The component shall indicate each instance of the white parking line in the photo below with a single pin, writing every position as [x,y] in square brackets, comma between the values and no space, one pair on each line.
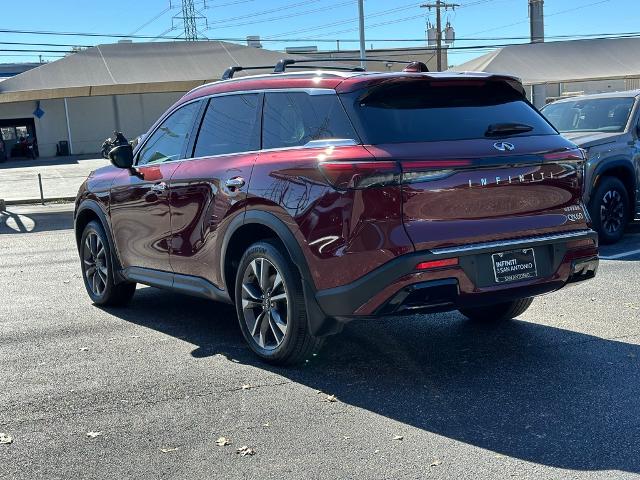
[620,255]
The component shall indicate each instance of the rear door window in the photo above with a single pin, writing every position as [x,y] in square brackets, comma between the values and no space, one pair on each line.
[293,119]
[230,125]
[430,111]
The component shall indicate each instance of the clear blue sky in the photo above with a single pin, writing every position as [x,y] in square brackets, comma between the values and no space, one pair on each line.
[308,20]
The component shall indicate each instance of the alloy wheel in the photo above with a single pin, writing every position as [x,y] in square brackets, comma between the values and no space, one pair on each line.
[612,211]
[265,303]
[94,256]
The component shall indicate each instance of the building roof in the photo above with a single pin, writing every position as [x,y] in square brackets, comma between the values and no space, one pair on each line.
[123,68]
[11,69]
[567,61]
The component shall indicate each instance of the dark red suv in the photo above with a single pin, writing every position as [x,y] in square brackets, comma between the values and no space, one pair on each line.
[313,198]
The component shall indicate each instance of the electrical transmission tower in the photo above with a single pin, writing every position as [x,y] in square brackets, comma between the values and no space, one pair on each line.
[190,18]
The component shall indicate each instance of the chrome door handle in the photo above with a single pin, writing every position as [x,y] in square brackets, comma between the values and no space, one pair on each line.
[235,182]
[159,187]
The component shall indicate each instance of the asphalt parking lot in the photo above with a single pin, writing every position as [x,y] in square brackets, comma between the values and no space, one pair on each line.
[554,394]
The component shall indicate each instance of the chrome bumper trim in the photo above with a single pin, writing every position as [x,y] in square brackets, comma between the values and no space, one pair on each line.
[515,243]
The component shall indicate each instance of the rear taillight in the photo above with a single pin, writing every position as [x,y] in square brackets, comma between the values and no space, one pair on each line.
[414,171]
[574,158]
[347,175]
[432,264]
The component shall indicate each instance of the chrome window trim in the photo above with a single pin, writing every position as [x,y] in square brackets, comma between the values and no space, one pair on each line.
[477,247]
[329,144]
[167,114]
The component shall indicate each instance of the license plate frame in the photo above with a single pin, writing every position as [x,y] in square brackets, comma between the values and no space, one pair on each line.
[520,265]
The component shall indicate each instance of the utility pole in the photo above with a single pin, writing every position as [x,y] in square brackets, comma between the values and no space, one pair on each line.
[438,5]
[536,19]
[363,53]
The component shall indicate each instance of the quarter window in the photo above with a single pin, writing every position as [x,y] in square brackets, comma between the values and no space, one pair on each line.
[294,119]
[169,140]
[229,126]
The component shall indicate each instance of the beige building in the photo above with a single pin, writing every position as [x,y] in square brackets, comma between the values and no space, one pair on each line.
[82,98]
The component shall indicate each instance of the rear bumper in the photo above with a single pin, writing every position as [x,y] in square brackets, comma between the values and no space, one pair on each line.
[397,287]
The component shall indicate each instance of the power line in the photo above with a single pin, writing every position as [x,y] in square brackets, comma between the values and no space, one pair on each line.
[264,12]
[346,21]
[149,22]
[585,36]
[289,15]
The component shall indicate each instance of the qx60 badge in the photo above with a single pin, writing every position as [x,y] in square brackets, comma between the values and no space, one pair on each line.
[504,146]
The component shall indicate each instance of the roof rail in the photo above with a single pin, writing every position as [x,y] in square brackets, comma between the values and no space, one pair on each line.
[283,64]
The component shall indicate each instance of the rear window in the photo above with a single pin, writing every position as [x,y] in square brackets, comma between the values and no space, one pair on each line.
[425,111]
[295,119]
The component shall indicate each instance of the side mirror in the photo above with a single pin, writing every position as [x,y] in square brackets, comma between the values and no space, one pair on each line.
[122,156]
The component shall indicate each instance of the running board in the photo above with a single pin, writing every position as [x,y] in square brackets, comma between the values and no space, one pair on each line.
[187,284]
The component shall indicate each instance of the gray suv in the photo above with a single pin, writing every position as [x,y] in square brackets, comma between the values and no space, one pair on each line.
[607,126]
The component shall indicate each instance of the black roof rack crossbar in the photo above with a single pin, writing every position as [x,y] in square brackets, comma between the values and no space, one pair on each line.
[329,67]
[230,72]
[283,64]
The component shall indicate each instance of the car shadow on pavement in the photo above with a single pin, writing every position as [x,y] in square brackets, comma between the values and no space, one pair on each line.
[532,392]
[13,223]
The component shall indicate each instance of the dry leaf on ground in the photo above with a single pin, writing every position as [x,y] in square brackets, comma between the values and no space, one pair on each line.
[246,386]
[223,441]
[330,398]
[93,434]
[398,437]
[5,439]
[168,449]
[83,349]
[435,463]
[244,451]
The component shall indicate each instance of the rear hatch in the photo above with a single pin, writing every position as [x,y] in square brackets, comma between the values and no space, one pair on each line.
[478,163]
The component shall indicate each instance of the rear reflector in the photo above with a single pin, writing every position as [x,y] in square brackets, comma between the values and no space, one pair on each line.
[345,175]
[447,262]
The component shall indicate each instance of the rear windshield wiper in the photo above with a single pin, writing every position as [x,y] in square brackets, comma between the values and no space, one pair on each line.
[501,129]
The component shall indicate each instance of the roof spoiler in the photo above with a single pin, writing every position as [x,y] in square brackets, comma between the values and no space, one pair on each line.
[283,64]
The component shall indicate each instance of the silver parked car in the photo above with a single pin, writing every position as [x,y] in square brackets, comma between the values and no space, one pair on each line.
[607,126]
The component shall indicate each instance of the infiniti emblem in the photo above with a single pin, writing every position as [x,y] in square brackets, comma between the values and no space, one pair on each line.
[504,146]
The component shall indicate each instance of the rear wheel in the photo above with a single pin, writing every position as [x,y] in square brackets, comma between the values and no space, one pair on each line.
[610,209]
[270,306]
[498,312]
[97,269]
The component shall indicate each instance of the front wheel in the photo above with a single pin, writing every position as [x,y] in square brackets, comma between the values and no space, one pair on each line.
[97,269]
[270,306]
[498,312]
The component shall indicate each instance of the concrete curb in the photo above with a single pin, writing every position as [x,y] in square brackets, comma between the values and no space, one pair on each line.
[32,201]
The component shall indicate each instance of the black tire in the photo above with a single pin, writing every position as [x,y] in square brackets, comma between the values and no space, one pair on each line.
[97,269]
[609,209]
[498,312]
[260,310]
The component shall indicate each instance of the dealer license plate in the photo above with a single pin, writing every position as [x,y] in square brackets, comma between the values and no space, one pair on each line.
[514,265]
